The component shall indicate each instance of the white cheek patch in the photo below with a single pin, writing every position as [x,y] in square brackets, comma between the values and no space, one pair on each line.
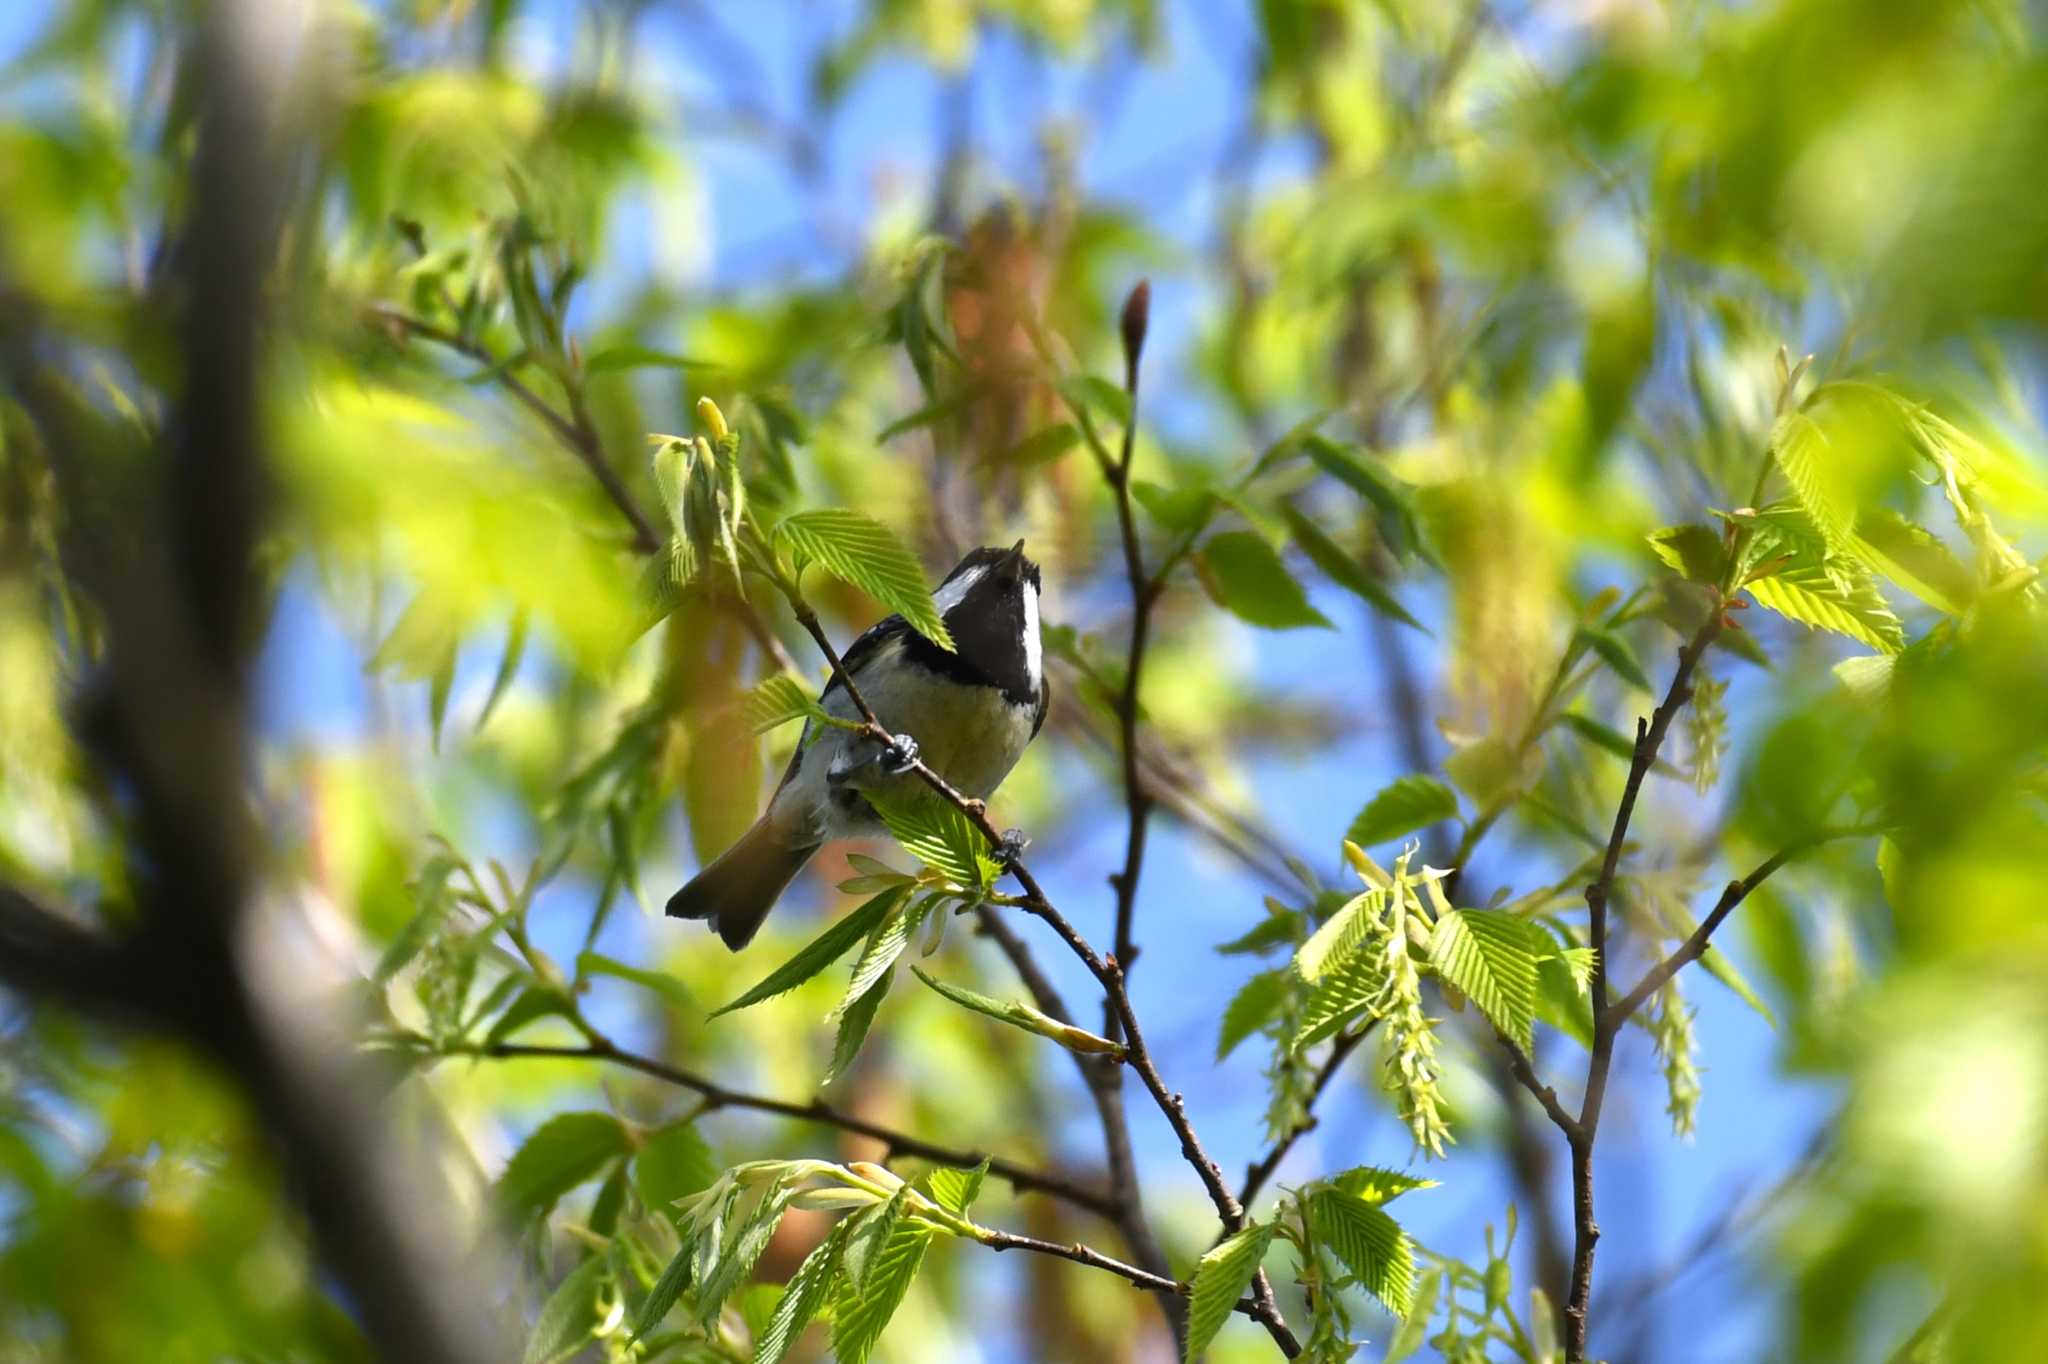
[1032,660]
[955,592]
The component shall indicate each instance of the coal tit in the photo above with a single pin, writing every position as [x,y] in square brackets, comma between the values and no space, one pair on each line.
[968,714]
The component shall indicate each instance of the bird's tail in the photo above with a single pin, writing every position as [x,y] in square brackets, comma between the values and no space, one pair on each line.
[738,889]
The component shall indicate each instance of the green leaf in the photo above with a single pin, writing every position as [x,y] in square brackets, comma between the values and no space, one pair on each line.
[1844,603]
[1353,985]
[1866,676]
[1599,735]
[675,1277]
[727,1265]
[1278,929]
[660,982]
[568,1317]
[1415,1324]
[1042,447]
[1492,957]
[1343,568]
[1696,552]
[924,416]
[1375,1184]
[562,1152]
[825,949]
[941,836]
[869,1296]
[1486,770]
[1021,1015]
[1370,1243]
[1091,392]
[808,1288]
[1403,806]
[1720,968]
[508,665]
[955,1190]
[1246,578]
[1562,1000]
[1616,654]
[672,1163]
[1339,935]
[615,358]
[1806,457]
[534,1003]
[1179,510]
[778,700]
[1370,481]
[860,550]
[855,1018]
[1251,1008]
[884,945]
[1220,1280]
[1915,559]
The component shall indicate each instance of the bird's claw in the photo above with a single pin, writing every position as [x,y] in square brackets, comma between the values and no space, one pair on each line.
[899,756]
[1012,848]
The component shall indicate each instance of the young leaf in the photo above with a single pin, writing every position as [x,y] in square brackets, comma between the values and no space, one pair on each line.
[943,838]
[1246,578]
[1492,957]
[675,1277]
[1848,604]
[613,358]
[955,1190]
[1915,559]
[806,1293]
[1354,984]
[508,665]
[1087,391]
[562,1152]
[777,701]
[1696,552]
[660,982]
[1403,806]
[1720,968]
[855,1019]
[1042,447]
[1020,1015]
[1806,457]
[1251,1008]
[1376,1185]
[825,949]
[672,1163]
[1179,510]
[1616,654]
[1370,1243]
[1561,995]
[1415,1324]
[568,1317]
[1277,929]
[877,1281]
[1220,1280]
[1340,935]
[885,944]
[860,550]
[1370,481]
[733,1258]
[1343,568]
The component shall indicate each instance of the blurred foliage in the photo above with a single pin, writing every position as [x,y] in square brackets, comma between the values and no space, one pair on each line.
[1532,337]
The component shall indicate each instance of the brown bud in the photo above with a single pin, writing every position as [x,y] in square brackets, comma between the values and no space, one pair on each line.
[1137,317]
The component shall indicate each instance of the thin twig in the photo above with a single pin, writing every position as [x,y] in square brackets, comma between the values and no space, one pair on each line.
[715,1095]
[1085,1255]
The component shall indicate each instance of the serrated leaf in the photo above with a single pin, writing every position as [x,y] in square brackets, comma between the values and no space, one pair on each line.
[942,837]
[1343,568]
[855,1018]
[568,1317]
[1251,1008]
[1246,578]
[1492,957]
[675,1277]
[1867,676]
[562,1152]
[672,1163]
[807,1291]
[1409,803]
[1375,1185]
[722,1272]
[429,892]
[1339,935]
[874,1288]
[823,950]
[1805,455]
[1369,1242]
[955,1190]
[1351,986]
[1697,553]
[1615,653]
[1847,604]
[1220,1280]
[884,945]
[1562,1000]
[1915,559]
[1408,1338]
[1021,1015]
[860,550]
[778,700]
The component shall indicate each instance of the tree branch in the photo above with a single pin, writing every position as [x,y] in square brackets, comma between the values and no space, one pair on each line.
[715,1095]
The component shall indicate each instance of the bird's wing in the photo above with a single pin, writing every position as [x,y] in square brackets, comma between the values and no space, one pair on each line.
[864,648]
[1044,703]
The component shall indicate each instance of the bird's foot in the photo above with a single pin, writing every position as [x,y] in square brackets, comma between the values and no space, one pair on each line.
[899,756]
[1013,845]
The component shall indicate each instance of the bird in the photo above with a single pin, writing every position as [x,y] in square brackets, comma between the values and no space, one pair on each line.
[969,712]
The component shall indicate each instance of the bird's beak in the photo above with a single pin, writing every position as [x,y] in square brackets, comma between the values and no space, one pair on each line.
[1014,560]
